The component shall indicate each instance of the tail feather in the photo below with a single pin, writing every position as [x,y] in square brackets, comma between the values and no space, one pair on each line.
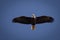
[33,27]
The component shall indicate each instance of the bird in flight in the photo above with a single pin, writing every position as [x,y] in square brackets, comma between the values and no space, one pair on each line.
[33,20]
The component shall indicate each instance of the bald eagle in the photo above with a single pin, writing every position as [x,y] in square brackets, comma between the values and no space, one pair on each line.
[33,20]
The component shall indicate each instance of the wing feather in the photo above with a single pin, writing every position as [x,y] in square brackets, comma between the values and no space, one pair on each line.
[23,20]
[43,19]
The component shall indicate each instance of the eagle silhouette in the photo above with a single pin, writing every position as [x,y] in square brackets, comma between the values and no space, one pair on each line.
[33,20]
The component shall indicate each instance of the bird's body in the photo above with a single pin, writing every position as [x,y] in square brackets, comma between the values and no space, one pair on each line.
[33,20]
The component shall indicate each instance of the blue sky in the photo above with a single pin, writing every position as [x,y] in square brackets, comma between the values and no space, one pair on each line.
[10,9]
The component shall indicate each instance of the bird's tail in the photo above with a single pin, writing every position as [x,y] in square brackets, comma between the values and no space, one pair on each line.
[33,27]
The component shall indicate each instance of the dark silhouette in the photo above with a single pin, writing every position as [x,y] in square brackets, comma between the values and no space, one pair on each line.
[33,20]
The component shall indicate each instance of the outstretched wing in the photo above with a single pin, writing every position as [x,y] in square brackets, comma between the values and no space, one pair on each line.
[23,20]
[43,19]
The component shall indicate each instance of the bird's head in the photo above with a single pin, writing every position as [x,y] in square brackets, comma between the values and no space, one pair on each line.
[33,16]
